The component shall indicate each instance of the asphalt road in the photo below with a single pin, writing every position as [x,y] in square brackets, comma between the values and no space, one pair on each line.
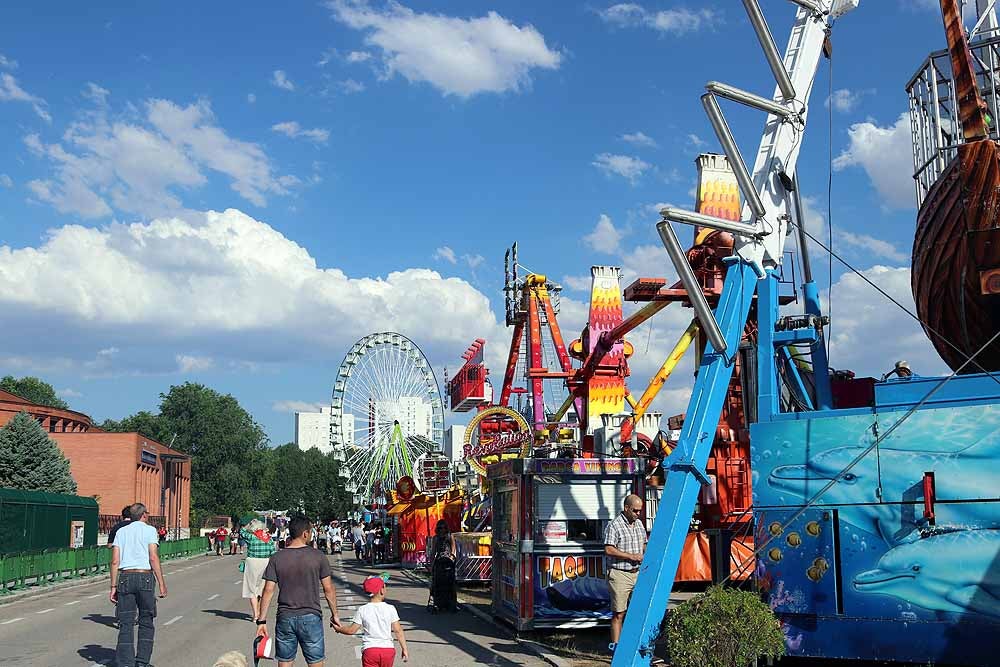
[204,616]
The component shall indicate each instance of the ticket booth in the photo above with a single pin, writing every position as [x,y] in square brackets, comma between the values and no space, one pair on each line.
[549,517]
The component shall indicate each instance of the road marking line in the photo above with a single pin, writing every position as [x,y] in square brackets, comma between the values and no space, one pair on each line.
[13,620]
[238,581]
[173,620]
[214,596]
[357,652]
[69,604]
[91,597]
[45,611]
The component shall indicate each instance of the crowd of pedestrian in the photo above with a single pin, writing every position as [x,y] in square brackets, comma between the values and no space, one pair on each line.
[284,560]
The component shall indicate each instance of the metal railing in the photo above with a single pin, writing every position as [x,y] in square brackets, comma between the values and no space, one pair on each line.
[934,124]
[43,568]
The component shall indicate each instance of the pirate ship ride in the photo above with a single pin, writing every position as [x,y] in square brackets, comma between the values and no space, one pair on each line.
[956,250]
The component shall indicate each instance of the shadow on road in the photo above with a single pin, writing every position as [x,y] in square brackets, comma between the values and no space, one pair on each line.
[109,621]
[231,615]
[456,630]
[95,654]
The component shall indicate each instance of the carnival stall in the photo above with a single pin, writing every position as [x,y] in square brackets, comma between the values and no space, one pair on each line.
[549,517]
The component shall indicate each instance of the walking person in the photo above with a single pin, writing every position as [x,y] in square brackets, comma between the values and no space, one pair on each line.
[358,539]
[380,621]
[442,553]
[135,567]
[298,573]
[624,546]
[125,520]
[260,548]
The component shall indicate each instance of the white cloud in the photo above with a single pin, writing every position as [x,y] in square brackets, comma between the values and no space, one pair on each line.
[606,237]
[224,284]
[695,141]
[646,261]
[192,364]
[844,100]
[6,181]
[350,86]
[251,98]
[96,94]
[640,139]
[7,63]
[462,57]
[861,315]
[68,393]
[577,283]
[358,57]
[294,130]
[10,91]
[885,155]
[625,166]
[445,253]
[298,406]
[877,247]
[280,80]
[138,165]
[672,21]
[473,260]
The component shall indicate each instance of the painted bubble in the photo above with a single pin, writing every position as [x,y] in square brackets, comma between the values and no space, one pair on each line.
[813,528]
[822,564]
[774,554]
[814,573]
[793,540]
[774,528]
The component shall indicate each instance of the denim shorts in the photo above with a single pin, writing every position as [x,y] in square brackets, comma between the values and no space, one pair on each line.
[305,630]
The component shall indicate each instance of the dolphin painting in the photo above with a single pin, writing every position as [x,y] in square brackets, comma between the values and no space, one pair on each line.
[951,572]
[969,473]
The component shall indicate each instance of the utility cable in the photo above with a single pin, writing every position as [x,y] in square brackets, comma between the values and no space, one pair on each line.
[906,310]
[829,199]
[868,450]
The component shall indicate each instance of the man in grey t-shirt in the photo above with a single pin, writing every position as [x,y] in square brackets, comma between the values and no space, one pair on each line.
[298,571]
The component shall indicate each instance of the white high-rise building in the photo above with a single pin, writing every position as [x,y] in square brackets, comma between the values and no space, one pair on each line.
[454,441]
[312,429]
[414,415]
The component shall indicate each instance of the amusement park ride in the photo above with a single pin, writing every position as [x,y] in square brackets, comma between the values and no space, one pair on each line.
[876,528]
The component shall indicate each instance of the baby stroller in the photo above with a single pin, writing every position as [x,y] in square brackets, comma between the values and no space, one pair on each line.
[442,595]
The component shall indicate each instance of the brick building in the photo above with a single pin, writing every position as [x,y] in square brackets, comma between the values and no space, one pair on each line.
[116,468]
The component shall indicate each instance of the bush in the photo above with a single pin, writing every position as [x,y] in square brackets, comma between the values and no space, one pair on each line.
[723,627]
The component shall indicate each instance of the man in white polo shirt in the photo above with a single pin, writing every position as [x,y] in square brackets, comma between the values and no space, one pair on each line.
[135,562]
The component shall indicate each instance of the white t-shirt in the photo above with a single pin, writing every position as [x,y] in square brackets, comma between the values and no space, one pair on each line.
[133,542]
[376,618]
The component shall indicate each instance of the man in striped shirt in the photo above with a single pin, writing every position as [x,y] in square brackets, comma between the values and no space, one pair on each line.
[624,545]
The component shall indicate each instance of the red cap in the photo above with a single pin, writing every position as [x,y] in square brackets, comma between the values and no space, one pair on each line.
[373,585]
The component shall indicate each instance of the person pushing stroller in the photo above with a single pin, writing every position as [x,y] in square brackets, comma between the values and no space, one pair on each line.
[441,555]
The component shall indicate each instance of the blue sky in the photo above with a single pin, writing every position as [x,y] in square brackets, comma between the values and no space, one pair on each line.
[191,192]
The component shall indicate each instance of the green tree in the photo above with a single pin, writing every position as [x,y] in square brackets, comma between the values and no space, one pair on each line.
[146,423]
[723,627]
[306,481]
[224,443]
[33,389]
[31,460]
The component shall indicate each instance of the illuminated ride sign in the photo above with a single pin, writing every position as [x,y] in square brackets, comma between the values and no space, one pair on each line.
[495,434]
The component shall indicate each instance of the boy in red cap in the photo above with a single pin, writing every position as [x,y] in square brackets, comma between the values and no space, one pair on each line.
[380,621]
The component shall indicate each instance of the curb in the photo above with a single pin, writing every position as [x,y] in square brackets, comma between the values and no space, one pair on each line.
[80,582]
[542,652]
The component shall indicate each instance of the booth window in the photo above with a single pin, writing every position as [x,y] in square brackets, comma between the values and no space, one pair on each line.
[584,530]
[504,526]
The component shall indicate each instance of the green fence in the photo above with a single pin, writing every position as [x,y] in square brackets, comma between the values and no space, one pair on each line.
[42,568]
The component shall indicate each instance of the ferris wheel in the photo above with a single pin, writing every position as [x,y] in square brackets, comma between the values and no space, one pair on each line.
[386,411]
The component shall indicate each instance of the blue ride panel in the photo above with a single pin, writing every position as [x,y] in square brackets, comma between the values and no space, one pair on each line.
[867,577]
